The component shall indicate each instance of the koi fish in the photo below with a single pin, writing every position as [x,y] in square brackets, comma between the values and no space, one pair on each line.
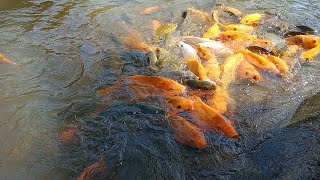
[233,35]
[137,87]
[239,27]
[229,68]
[158,82]
[164,31]
[6,60]
[196,68]
[281,64]
[252,19]
[187,133]
[259,61]
[180,103]
[290,51]
[204,52]
[206,117]
[133,43]
[201,14]
[150,9]
[234,11]
[155,24]
[311,53]
[261,43]
[245,70]
[305,41]
[219,100]
[212,32]
[94,170]
[187,51]
[192,40]
[71,135]
[216,48]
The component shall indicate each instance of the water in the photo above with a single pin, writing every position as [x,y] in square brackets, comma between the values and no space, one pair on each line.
[67,49]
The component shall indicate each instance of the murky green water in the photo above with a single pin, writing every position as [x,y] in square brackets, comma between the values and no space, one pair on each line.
[67,49]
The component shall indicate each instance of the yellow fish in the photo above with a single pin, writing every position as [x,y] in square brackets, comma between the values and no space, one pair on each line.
[252,19]
[212,32]
[240,27]
[308,55]
[281,64]
[305,41]
[229,67]
[196,68]
[259,61]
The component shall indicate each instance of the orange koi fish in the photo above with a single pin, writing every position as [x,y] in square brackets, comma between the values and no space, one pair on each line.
[196,68]
[150,9]
[232,35]
[219,100]
[133,43]
[305,41]
[259,61]
[206,117]
[187,133]
[158,82]
[6,60]
[71,135]
[212,68]
[94,170]
[180,103]
[245,70]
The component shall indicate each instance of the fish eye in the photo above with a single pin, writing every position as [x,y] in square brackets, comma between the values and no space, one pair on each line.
[247,73]
[229,36]
[235,29]
[179,107]
[314,41]
[171,89]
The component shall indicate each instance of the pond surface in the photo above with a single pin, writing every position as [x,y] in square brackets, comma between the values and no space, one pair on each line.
[67,49]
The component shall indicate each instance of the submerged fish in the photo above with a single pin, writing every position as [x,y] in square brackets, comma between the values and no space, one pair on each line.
[3,58]
[137,44]
[91,172]
[150,9]
[187,133]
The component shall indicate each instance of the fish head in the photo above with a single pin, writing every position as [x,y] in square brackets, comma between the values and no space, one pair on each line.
[186,50]
[180,103]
